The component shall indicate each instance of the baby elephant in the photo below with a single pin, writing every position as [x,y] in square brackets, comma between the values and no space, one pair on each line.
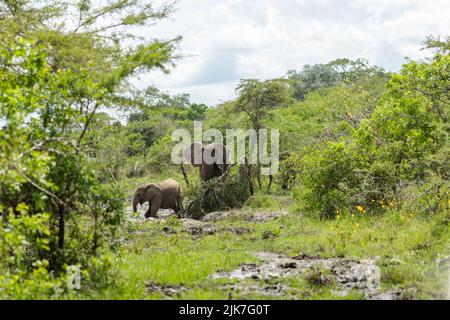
[164,195]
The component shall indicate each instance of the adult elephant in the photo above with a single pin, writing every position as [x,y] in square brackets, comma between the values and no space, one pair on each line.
[163,195]
[211,159]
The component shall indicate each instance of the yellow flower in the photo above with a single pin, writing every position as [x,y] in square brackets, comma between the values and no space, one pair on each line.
[361,209]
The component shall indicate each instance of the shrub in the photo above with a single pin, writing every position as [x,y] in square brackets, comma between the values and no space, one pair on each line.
[402,146]
[328,177]
[217,195]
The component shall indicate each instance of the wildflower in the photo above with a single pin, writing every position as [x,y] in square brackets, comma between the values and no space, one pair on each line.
[361,209]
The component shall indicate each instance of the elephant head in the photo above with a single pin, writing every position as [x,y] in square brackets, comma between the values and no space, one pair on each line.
[140,197]
[212,159]
[194,154]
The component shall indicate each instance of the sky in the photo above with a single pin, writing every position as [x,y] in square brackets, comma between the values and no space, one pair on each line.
[228,40]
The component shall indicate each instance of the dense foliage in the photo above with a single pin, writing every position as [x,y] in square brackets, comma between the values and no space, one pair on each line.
[56,211]
[76,139]
[403,144]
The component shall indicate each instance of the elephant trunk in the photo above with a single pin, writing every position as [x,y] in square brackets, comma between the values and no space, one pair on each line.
[135,204]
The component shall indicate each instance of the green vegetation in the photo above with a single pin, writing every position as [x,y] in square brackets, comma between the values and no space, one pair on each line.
[364,170]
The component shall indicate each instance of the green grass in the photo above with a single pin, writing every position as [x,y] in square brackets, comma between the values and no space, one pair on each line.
[406,247]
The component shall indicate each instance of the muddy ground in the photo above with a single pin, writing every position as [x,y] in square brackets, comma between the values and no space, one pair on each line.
[342,275]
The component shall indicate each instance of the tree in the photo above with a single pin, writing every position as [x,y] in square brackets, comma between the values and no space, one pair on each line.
[352,70]
[318,76]
[438,44]
[257,99]
[58,70]
[196,111]
[311,78]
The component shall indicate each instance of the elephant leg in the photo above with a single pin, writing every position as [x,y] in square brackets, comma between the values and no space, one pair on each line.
[148,212]
[207,171]
[154,207]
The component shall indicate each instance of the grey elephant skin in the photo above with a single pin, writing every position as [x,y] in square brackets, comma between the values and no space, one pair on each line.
[196,154]
[163,195]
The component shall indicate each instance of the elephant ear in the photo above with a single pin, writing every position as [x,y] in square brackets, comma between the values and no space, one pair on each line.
[151,191]
[194,154]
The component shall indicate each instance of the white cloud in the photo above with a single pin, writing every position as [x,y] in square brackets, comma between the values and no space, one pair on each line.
[227,40]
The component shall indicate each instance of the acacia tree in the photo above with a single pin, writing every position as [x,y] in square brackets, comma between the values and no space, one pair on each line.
[257,99]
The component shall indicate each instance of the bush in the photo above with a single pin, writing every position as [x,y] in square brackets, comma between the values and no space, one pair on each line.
[327,180]
[216,195]
[402,146]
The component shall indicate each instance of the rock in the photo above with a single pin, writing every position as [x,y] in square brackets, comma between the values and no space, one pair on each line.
[304,256]
[208,229]
[360,275]
[188,223]
[390,295]
[265,216]
[318,278]
[276,290]
[168,290]
[218,216]
[198,228]
[289,265]
[252,217]
[165,213]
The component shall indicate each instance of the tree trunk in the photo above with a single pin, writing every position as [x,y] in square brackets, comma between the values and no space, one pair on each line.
[184,174]
[258,176]
[270,183]
[248,170]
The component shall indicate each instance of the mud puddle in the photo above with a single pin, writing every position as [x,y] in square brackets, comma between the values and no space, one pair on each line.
[361,276]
